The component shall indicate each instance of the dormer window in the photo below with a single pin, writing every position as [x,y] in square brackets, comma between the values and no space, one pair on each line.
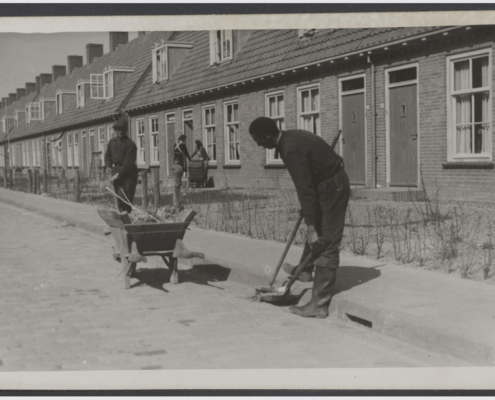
[33,112]
[47,107]
[17,117]
[104,86]
[63,100]
[221,48]
[160,63]
[160,58]
[82,89]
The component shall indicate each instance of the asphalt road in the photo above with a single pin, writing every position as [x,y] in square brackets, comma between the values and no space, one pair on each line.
[63,306]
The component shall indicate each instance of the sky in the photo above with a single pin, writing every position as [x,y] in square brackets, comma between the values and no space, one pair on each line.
[24,56]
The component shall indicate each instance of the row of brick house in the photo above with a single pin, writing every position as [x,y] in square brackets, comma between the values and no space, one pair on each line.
[414,104]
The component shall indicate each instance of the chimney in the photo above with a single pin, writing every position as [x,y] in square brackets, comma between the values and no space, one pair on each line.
[5,101]
[118,38]
[141,33]
[21,93]
[45,79]
[38,88]
[93,51]
[12,97]
[57,72]
[74,62]
[30,88]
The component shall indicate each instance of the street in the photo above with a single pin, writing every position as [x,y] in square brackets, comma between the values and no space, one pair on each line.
[63,307]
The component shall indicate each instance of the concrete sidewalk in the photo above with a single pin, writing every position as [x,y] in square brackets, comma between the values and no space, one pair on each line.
[435,311]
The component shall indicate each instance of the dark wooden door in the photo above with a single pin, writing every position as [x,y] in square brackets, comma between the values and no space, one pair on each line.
[170,127]
[353,137]
[403,123]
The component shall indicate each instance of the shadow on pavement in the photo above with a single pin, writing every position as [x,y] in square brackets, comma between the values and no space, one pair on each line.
[152,277]
[350,277]
[204,274]
[198,274]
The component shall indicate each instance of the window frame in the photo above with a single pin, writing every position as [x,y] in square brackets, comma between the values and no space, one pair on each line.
[110,133]
[151,134]
[31,107]
[76,143]
[270,153]
[97,86]
[141,150]
[162,49]
[226,131]
[101,143]
[212,161]
[217,37]
[452,156]
[301,89]
[81,103]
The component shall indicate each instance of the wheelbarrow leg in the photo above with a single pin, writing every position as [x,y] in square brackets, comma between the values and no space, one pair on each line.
[125,270]
[172,266]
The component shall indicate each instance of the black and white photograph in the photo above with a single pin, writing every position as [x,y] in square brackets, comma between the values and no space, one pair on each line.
[248,197]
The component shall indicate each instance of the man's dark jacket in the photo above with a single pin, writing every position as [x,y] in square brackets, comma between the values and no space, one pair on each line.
[310,160]
[121,157]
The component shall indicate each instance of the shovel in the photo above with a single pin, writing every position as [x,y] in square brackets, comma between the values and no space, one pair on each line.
[282,294]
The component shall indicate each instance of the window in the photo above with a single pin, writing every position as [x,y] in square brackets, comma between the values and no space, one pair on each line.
[33,112]
[16,119]
[275,109]
[69,150]
[209,137]
[56,152]
[110,133]
[97,86]
[108,84]
[80,94]
[232,133]
[141,155]
[60,109]
[309,109]
[2,156]
[187,123]
[91,141]
[220,46]
[470,106]
[155,156]
[76,149]
[101,144]
[37,142]
[160,64]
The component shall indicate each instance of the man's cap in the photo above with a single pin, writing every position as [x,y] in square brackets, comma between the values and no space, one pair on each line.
[182,137]
[121,123]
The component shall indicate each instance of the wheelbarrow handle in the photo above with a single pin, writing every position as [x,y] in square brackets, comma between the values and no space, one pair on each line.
[286,250]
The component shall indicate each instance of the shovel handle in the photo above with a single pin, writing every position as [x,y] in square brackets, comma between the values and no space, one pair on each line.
[286,250]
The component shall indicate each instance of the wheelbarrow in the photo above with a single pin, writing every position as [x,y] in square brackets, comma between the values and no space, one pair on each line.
[135,242]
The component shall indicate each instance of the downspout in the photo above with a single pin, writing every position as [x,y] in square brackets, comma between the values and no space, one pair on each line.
[373,124]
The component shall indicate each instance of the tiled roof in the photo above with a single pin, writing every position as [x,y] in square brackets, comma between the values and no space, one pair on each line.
[135,54]
[266,51]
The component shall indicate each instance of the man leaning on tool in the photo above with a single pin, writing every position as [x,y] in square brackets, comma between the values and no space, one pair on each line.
[323,190]
[120,161]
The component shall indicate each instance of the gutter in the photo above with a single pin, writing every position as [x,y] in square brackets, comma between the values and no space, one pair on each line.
[373,124]
[317,63]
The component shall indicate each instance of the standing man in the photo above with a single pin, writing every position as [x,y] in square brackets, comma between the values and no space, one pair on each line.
[181,152]
[120,162]
[323,190]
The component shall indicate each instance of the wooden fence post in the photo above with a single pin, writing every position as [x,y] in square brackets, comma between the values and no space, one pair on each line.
[45,181]
[155,173]
[77,182]
[5,177]
[29,181]
[144,190]
[36,180]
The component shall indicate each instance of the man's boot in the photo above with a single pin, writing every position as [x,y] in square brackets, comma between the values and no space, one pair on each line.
[320,297]
[305,276]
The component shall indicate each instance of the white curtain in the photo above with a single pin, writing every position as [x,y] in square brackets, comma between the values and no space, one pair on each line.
[461,75]
[463,123]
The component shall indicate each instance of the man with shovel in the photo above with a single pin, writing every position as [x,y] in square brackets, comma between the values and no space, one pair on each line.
[323,190]
[120,162]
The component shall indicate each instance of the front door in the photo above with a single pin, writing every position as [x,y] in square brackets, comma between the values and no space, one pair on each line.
[353,129]
[403,127]
[170,132]
[84,153]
